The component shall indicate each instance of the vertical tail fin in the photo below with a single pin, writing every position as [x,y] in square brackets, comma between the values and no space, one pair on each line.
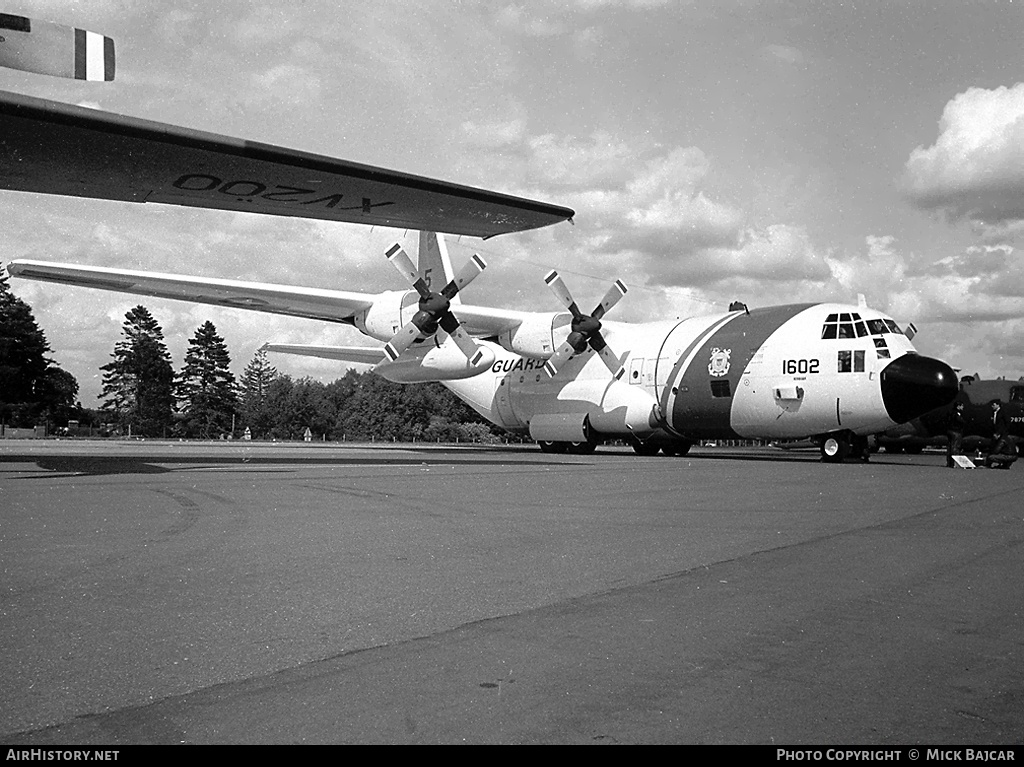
[435,266]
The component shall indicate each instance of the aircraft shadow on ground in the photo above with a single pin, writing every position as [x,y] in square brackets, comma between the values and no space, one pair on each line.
[88,465]
[80,465]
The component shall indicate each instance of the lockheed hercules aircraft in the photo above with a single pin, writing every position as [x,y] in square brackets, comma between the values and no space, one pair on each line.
[831,372]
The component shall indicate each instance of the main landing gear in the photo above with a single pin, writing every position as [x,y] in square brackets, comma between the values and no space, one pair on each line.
[640,448]
[666,448]
[837,447]
[576,448]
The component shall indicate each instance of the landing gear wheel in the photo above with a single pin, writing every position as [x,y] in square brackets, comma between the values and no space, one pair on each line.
[834,448]
[553,447]
[582,448]
[645,448]
[677,448]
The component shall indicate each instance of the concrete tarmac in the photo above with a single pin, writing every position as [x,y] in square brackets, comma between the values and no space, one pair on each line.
[245,593]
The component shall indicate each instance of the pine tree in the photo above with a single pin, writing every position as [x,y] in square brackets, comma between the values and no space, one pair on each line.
[138,383]
[206,386]
[253,407]
[31,385]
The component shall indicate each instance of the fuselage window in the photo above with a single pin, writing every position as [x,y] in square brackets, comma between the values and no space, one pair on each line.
[851,361]
[845,362]
[721,389]
[15,23]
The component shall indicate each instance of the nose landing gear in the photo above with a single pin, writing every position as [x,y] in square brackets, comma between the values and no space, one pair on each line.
[837,447]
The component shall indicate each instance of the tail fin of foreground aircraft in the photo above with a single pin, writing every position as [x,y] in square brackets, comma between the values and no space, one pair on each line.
[53,49]
[435,266]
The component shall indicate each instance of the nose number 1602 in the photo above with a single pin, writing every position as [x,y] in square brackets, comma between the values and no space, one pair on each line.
[790,367]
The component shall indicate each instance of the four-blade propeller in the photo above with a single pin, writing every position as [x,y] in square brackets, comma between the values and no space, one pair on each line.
[435,312]
[585,329]
[434,308]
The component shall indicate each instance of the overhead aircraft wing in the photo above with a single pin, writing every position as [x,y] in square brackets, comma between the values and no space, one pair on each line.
[313,303]
[53,148]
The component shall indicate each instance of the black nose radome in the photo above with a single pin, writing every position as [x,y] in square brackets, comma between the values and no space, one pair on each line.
[913,385]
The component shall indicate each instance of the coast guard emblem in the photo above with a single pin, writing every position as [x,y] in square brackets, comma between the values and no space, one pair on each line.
[719,365]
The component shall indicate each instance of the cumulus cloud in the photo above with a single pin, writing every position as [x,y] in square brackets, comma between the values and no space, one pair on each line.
[777,253]
[975,169]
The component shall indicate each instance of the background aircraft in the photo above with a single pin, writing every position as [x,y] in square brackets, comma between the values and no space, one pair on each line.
[930,429]
[831,372]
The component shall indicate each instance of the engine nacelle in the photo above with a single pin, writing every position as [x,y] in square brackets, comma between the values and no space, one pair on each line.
[560,427]
[430,362]
[538,335]
[390,311]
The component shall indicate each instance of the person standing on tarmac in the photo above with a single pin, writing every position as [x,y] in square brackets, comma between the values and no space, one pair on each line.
[954,434]
[1002,453]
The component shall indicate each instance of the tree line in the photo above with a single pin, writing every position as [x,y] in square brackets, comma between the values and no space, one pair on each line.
[142,395]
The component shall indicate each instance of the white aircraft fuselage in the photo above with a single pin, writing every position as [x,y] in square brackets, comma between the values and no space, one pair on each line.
[781,372]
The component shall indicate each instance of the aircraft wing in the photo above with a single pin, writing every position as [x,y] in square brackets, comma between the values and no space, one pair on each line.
[294,301]
[53,148]
[313,303]
[362,354]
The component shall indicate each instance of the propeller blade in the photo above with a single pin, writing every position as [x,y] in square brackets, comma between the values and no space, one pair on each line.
[53,49]
[615,292]
[610,360]
[466,275]
[554,281]
[463,340]
[562,355]
[401,261]
[402,340]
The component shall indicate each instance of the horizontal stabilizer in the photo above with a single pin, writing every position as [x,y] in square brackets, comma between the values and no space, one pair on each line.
[52,49]
[361,354]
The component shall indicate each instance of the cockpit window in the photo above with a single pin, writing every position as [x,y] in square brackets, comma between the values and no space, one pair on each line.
[878,327]
[1017,394]
[845,325]
[894,327]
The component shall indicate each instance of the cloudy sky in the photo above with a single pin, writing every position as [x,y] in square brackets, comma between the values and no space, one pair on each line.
[771,152]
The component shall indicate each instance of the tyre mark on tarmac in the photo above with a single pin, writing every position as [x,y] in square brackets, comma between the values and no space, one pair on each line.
[188,517]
